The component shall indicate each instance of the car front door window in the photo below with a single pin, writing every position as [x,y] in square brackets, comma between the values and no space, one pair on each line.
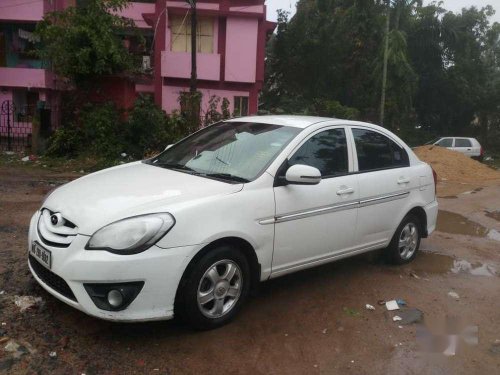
[446,142]
[326,151]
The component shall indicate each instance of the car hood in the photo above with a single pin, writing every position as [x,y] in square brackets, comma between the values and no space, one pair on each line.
[100,198]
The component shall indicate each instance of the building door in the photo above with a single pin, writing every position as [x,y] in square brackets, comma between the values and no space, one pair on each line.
[3,52]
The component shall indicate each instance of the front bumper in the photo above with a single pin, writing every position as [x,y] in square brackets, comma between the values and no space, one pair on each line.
[160,269]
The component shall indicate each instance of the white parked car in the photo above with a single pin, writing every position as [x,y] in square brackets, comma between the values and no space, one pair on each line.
[467,146]
[191,231]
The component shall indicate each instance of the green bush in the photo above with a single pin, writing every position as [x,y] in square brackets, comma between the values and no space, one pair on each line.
[146,128]
[65,142]
[332,108]
[103,131]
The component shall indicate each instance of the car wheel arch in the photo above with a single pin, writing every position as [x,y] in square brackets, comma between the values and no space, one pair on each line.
[419,212]
[236,242]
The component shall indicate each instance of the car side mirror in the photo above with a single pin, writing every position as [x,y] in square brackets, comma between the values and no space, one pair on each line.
[168,146]
[300,174]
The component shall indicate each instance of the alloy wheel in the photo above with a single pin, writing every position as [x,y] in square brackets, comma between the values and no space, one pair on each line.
[219,289]
[408,240]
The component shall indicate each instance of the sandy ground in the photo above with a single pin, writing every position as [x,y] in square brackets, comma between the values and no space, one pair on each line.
[312,322]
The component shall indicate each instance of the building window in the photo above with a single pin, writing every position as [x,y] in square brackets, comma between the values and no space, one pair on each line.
[3,50]
[180,35]
[240,106]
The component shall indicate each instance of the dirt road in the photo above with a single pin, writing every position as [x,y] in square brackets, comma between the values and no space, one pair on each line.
[312,322]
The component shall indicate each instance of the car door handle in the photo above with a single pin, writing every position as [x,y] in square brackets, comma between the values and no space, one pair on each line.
[345,191]
[403,180]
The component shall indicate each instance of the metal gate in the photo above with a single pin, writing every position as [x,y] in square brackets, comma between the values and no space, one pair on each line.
[15,126]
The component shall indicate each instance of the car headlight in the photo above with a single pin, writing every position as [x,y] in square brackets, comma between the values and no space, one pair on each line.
[131,235]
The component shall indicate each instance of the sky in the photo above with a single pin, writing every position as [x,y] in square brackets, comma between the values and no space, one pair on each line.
[453,5]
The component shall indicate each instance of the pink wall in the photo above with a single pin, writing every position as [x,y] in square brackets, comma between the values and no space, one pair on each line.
[171,97]
[18,10]
[178,65]
[248,9]
[25,77]
[134,11]
[241,49]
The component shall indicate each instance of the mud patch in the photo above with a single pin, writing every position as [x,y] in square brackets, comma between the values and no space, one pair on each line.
[493,214]
[451,222]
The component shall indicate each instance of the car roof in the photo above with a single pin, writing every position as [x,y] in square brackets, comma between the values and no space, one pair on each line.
[454,136]
[285,120]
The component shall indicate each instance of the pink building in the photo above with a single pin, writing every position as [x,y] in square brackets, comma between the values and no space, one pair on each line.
[24,80]
[231,42]
[23,77]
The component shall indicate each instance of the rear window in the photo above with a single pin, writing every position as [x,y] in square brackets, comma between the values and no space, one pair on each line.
[462,142]
[376,151]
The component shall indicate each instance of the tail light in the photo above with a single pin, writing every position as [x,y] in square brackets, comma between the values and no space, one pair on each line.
[435,176]
[481,152]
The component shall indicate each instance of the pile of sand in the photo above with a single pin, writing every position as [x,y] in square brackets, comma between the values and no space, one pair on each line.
[454,166]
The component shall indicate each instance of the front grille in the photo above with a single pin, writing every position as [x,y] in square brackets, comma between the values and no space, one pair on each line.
[51,279]
[59,235]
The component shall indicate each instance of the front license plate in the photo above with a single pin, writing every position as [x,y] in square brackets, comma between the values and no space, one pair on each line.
[41,254]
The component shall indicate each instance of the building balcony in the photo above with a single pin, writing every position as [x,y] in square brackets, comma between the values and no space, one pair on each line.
[27,78]
[26,11]
[178,65]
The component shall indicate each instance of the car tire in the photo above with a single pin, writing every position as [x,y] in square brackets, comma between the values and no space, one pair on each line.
[405,243]
[213,288]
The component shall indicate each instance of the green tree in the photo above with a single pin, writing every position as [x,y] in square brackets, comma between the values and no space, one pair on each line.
[82,43]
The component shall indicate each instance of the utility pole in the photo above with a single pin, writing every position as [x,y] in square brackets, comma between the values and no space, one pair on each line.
[194,27]
[384,70]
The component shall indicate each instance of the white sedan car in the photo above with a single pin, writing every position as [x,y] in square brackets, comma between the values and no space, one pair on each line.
[193,230]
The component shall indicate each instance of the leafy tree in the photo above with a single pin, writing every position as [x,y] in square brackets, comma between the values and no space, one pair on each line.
[83,42]
[443,68]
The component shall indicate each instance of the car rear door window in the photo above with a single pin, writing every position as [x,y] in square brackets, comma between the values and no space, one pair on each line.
[446,142]
[326,151]
[462,142]
[376,151]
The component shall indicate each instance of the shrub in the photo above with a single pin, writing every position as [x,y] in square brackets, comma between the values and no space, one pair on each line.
[102,130]
[332,108]
[65,142]
[147,128]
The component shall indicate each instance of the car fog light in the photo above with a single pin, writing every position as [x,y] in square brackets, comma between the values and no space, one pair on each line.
[115,298]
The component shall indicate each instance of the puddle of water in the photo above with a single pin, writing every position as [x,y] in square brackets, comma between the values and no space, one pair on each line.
[476,269]
[493,214]
[433,263]
[493,234]
[451,222]
[426,262]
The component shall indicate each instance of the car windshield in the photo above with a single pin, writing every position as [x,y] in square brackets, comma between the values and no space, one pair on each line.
[233,151]
[432,142]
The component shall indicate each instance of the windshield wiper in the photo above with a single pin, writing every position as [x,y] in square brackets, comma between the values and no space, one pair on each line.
[226,176]
[176,166]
